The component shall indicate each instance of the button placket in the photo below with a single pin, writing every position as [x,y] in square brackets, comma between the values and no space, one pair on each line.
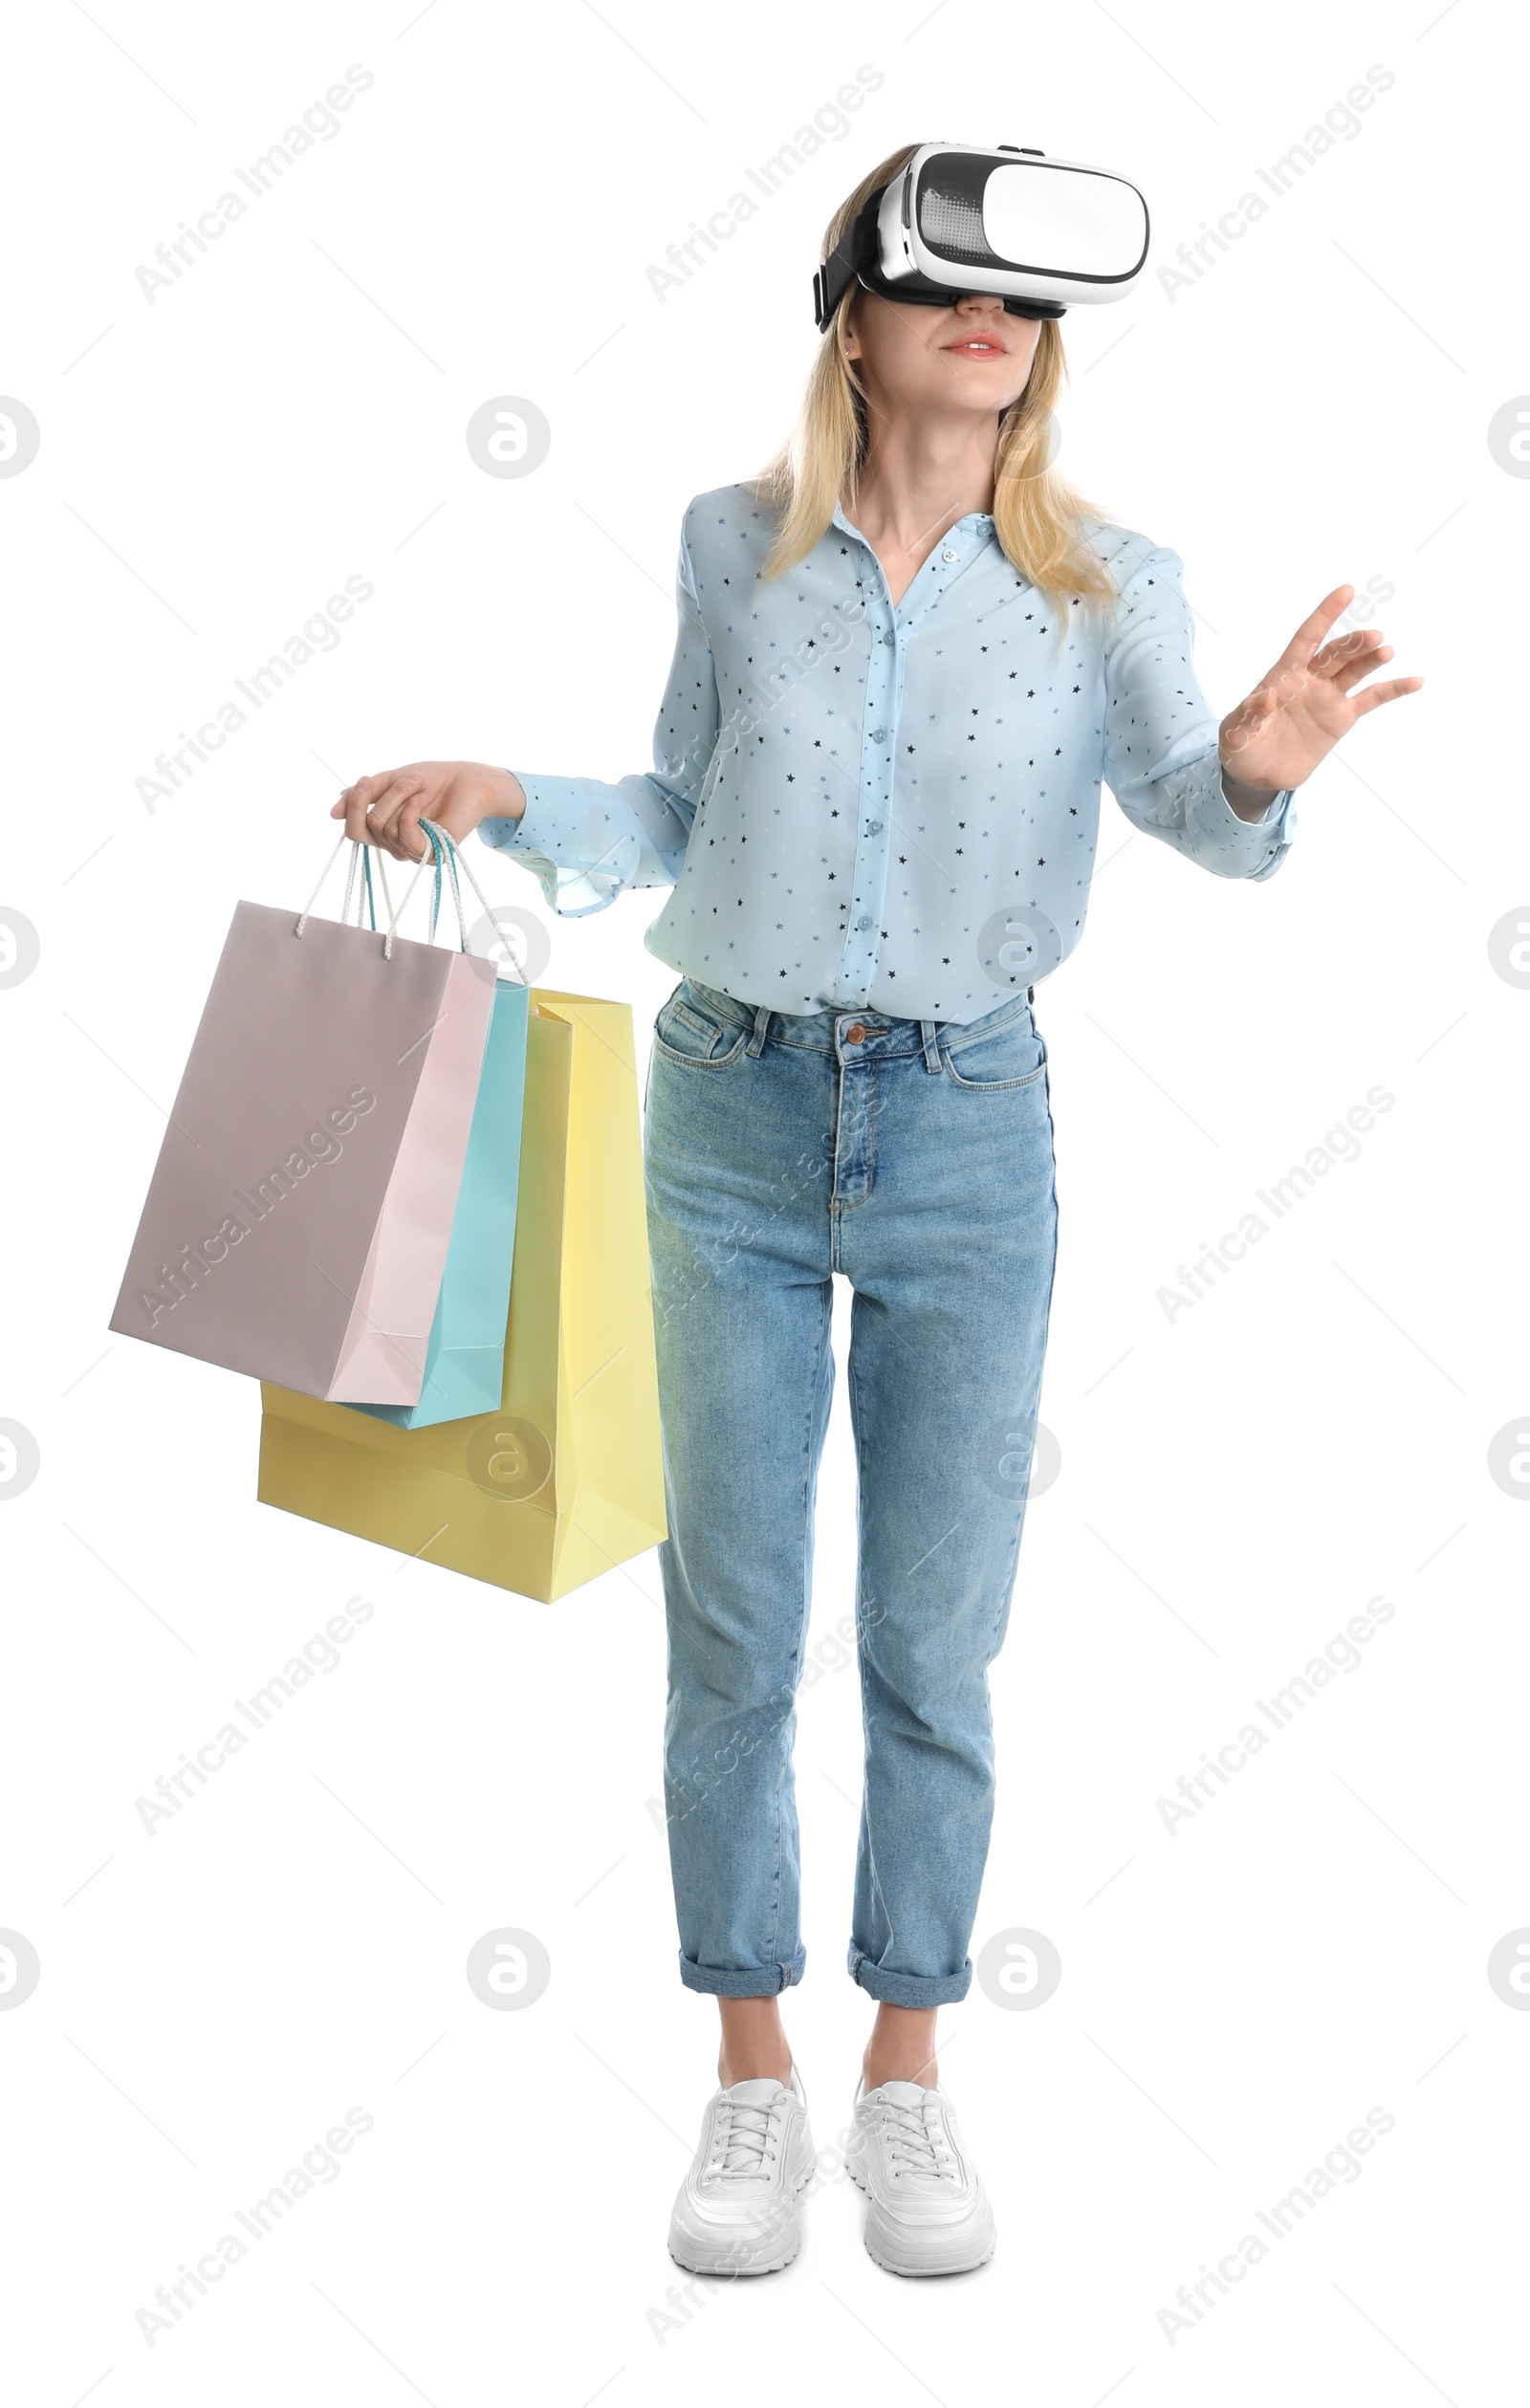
[883,705]
[869,881]
[871,846]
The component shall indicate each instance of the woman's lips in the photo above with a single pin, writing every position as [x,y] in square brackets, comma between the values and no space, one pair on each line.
[977,347]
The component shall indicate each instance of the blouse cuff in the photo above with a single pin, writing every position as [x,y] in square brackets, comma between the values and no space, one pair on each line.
[577,849]
[1237,847]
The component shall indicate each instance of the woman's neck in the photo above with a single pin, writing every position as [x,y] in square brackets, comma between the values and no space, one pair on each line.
[918,478]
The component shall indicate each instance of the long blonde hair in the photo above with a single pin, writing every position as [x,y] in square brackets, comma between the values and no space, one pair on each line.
[1038,517]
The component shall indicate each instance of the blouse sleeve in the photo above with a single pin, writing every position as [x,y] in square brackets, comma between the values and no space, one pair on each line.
[1161,740]
[585,842]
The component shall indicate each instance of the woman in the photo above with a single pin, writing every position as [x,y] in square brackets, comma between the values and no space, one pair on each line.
[907,654]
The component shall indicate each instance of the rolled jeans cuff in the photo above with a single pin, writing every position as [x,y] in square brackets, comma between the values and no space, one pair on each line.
[909,1989]
[746,1982]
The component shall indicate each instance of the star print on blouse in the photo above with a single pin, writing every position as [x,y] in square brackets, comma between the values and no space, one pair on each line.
[904,710]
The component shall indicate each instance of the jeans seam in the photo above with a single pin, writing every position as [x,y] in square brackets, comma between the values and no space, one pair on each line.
[825,1315]
[853,1382]
[1046,1322]
[775,1903]
[1007,1592]
[873,1106]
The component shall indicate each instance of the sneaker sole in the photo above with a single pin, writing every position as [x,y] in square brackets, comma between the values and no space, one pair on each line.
[889,2264]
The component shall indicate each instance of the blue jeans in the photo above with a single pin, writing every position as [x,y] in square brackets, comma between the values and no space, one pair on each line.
[915,1157]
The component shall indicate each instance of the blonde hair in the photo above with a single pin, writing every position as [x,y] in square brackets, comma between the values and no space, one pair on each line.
[1038,518]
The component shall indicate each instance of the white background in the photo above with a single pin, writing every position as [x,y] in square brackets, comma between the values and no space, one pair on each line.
[1236,1483]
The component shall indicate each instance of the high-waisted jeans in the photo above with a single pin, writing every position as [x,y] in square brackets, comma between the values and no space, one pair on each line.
[915,1157]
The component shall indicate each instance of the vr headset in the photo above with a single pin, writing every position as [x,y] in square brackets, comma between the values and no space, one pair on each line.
[1042,233]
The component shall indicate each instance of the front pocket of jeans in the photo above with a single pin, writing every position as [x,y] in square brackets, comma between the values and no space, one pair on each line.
[1021,1047]
[682,1033]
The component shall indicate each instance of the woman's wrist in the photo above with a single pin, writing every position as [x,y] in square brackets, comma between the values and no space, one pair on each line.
[1249,801]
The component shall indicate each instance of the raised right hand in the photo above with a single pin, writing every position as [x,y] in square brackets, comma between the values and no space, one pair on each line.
[385,809]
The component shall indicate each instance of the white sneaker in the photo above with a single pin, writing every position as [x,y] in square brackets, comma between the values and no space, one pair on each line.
[929,2213]
[737,2212]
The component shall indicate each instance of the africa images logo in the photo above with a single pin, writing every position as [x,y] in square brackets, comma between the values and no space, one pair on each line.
[192,1264]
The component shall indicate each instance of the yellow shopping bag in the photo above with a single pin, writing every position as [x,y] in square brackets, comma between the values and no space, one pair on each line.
[566,1479]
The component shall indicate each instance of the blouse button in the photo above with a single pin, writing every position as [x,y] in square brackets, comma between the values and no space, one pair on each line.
[948,555]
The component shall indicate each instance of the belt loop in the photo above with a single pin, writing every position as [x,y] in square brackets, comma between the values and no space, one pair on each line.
[762,1023]
[926,1030]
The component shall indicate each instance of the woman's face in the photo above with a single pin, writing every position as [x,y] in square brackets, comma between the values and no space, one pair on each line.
[912,356]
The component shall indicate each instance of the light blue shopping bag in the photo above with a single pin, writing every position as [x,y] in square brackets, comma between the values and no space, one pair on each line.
[465,1362]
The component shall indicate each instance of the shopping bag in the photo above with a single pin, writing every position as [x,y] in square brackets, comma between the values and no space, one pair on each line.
[565,1480]
[297,1221]
[465,1361]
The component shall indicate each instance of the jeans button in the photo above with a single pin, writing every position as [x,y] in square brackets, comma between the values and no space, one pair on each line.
[854,1034]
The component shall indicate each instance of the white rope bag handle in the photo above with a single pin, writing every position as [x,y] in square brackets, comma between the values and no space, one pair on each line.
[453,860]
[357,851]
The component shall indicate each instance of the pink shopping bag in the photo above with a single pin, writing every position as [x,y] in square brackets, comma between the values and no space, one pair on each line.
[297,1221]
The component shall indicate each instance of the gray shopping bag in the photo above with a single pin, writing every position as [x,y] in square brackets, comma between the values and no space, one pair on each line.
[297,1221]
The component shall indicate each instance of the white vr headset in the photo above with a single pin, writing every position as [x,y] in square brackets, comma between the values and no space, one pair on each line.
[1041,232]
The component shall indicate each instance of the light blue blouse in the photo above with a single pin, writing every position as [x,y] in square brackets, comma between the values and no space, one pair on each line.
[920,781]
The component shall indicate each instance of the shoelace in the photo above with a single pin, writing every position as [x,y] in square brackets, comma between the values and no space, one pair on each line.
[739,2145]
[914,2141]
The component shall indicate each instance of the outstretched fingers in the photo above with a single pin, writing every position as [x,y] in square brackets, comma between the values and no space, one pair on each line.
[1314,627]
[1355,657]
[1339,655]
[1344,666]
[1369,696]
